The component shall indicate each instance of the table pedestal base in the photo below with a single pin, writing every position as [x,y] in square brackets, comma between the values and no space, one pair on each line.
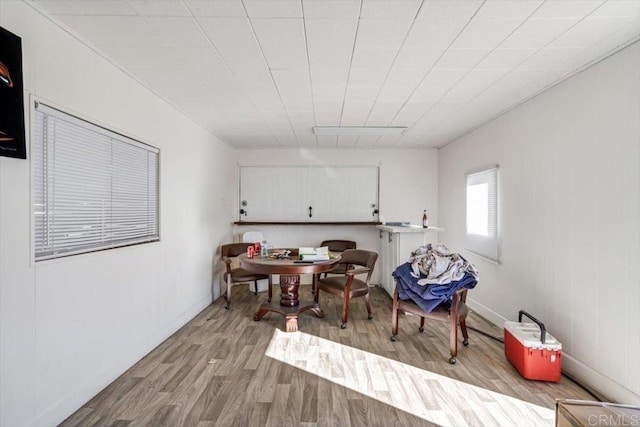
[290,307]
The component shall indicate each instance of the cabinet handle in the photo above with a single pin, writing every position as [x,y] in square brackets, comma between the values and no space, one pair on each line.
[310,211]
[243,212]
[390,237]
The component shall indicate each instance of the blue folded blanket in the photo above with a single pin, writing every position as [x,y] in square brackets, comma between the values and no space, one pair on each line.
[430,296]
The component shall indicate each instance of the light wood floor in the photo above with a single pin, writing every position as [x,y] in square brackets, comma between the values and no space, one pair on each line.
[223,368]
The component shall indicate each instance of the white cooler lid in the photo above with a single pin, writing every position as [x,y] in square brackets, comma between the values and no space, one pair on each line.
[529,335]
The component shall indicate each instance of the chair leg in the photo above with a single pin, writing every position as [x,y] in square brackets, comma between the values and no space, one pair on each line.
[421,328]
[255,289]
[394,320]
[453,339]
[270,288]
[228,293]
[345,310]
[366,299]
[316,296]
[465,334]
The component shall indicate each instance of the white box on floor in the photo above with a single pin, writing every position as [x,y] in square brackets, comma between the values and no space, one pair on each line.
[263,285]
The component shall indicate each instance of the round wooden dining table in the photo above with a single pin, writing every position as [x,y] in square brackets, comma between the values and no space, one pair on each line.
[289,270]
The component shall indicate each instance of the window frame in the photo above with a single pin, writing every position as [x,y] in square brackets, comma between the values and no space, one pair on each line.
[486,247]
[121,142]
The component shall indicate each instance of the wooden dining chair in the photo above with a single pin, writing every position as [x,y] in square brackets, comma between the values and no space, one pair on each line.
[338,246]
[347,286]
[238,275]
[455,315]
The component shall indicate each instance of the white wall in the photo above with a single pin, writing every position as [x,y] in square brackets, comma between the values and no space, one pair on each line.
[408,185]
[569,194]
[69,327]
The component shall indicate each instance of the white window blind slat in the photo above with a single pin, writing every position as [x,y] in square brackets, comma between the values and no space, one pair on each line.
[94,189]
[482,214]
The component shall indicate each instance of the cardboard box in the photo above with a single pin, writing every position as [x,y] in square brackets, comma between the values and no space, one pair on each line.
[526,352]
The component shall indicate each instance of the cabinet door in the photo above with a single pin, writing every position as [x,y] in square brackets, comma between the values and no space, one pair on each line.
[388,260]
[273,193]
[343,193]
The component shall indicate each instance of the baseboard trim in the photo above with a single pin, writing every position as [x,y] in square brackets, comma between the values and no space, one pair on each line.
[71,403]
[601,386]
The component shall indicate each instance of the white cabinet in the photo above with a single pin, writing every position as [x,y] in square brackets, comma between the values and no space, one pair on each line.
[308,193]
[396,245]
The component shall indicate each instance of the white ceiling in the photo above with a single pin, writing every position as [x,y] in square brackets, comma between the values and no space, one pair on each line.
[262,73]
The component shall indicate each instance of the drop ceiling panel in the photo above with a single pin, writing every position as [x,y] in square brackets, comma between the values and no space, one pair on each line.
[103,7]
[177,31]
[508,9]
[282,42]
[589,32]
[461,59]
[273,9]
[382,33]
[537,33]
[262,73]
[349,9]
[422,59]
[59,7]
[486,33]
[159,8]
[434,33]
[217,8]
[390,9]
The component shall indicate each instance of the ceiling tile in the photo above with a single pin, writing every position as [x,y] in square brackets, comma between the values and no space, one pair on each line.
[328,94]
[367,77]
[390,9]
[434,33]
[327,141]
[59,7]
[141,57]
[273,8]
[504,9]
[282,41]
[567,9]
[330,42]
[505,58]
[329,77]
[159,8]
[459,9]
[486,33]
[404,77]
[126,31]
[417,58]
[294,88]
[617,8]
[177,31]
[548,58]
[103,7]
[373,58]
[461,59]
[331,9]
[233,38]
[217,8]
[382,33]
[536,33]
[590,31]
[347,141]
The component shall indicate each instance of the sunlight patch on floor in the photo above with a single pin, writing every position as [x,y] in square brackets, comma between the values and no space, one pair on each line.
[435,398]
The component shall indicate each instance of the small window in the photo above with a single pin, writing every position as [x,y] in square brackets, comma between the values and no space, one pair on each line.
[94,189]
[482,213]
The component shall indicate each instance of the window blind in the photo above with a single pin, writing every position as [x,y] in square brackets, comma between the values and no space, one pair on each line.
[482,214]
[94,189]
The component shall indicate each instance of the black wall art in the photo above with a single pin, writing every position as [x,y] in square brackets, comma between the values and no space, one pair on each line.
[12,140]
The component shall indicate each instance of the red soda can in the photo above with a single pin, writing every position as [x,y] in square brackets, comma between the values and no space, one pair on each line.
[250,251]
[256,247]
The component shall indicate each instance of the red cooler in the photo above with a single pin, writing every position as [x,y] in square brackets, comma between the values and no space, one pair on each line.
[531,350]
